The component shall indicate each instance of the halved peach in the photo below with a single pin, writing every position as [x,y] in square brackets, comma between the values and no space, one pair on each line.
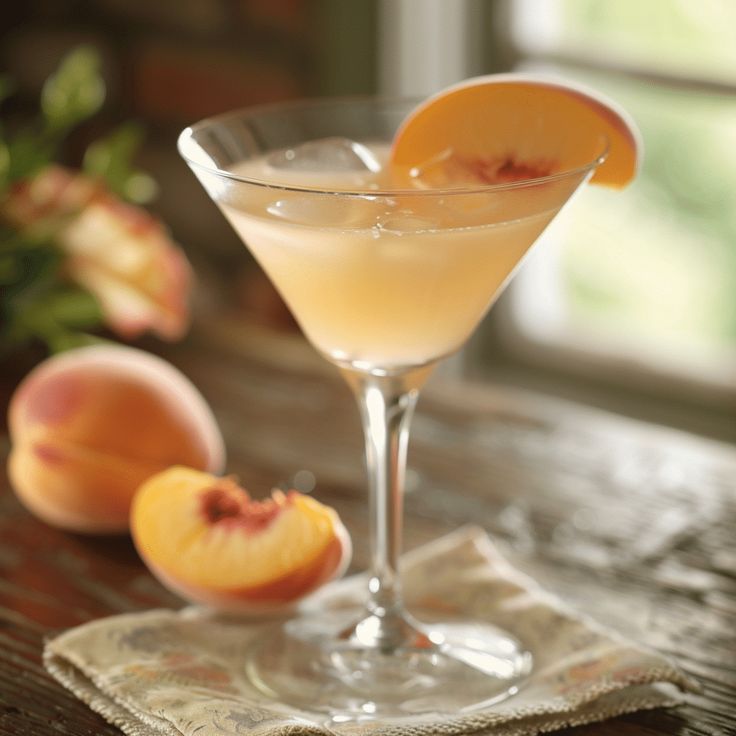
[511,127]
[204,538]
[88,426]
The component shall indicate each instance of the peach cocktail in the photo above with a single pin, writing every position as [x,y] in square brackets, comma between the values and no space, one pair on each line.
[389,229]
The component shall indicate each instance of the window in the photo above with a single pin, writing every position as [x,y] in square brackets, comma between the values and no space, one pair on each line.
[641,283]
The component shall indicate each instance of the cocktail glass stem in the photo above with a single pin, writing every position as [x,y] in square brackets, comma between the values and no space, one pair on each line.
[386,404]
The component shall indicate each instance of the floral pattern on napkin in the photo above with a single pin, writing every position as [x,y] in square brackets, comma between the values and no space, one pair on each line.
[181,673]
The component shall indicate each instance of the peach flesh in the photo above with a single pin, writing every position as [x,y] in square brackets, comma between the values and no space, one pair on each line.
[502,169]
[204,538]
[90,425]
[548,125]
[269,598]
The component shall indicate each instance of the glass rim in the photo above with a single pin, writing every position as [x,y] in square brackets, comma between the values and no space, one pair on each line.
[326,102]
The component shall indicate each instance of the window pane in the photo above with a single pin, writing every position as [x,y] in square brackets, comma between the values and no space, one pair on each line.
[695,38]
[654,265]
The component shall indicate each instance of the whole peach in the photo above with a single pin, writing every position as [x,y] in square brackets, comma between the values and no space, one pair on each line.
[88,426]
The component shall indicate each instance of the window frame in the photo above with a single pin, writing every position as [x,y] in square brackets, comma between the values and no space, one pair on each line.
[569,351]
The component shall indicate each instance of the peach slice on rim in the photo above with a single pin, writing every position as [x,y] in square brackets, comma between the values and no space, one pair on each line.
[505,128]
[205,538]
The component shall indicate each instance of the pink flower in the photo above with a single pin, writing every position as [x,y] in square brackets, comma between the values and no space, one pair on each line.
[117,252]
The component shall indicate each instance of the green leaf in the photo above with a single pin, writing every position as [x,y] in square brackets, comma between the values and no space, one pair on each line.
[14,241]
[111,158]
[66,340]
[140,188]
[73,308]
[55,316]
[75,91]
[37,271]
[27,154]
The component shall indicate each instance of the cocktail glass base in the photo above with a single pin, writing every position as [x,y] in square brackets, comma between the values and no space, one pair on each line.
[321,664]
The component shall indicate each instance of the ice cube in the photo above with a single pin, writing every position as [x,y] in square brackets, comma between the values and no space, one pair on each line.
[323,211]
[326,155]
[401,223]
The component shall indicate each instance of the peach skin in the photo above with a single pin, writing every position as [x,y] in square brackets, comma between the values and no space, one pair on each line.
[88,426]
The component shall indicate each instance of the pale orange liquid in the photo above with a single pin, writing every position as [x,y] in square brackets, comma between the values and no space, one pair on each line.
[385,283]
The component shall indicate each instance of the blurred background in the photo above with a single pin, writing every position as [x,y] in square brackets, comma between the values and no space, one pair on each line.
[630,303]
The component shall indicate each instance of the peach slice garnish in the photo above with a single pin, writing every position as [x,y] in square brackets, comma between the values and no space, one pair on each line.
[510,127]
[205,538]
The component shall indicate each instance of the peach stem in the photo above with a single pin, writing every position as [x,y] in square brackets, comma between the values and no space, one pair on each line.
[386,405]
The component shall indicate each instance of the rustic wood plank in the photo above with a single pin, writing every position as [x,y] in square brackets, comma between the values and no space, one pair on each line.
[630,523]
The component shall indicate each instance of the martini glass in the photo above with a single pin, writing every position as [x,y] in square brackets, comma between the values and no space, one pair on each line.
[384,282]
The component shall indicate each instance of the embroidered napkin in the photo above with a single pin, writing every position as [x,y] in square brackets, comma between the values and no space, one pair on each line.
[181,673]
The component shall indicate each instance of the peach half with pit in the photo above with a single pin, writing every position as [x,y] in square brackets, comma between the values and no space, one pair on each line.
[89,425]
[207,540]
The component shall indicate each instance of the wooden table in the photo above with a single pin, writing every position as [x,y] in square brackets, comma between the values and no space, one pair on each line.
[630,523]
